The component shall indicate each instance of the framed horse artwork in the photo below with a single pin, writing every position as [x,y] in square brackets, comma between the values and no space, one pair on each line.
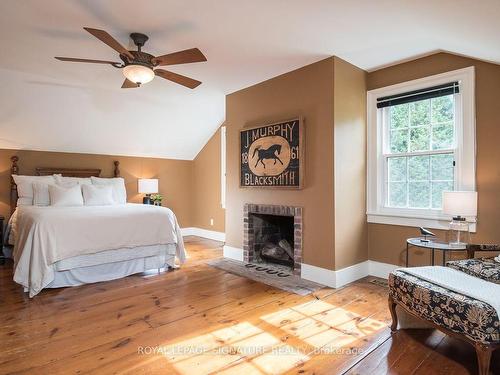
[272,156]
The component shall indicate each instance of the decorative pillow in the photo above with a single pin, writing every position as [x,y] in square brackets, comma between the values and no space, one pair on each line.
[98,195]
[25,187]
[41,195]
[65,197]
[61,180]
[118,184]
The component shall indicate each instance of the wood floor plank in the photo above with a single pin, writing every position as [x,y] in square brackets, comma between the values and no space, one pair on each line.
[228,317]
[101,328]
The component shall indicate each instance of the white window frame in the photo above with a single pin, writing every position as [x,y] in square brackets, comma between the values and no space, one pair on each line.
[223,167]
[465,138]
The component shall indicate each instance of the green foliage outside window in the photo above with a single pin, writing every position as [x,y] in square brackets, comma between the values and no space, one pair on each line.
[417,181]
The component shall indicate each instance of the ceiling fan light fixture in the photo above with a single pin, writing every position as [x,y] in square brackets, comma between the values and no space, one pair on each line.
[139,74]
[138,65]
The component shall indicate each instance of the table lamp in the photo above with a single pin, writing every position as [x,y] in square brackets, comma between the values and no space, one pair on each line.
[147,186]
[459,205]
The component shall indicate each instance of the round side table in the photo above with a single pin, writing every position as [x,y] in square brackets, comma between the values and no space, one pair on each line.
[432,245]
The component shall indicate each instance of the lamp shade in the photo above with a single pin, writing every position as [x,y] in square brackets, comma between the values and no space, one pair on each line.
[460,203]
[148,185]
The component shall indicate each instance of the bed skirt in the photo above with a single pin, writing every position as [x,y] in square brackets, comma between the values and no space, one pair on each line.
[110,271]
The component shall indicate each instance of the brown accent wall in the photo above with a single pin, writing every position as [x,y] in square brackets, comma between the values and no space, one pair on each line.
[306,92]
[175,176]
[207,186]
[350,164]
[387,242]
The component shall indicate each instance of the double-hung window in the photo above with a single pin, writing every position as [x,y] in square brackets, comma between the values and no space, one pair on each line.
[421,142]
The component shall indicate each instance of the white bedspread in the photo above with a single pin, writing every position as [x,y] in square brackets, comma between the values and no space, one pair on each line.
[459,282]
[46,235]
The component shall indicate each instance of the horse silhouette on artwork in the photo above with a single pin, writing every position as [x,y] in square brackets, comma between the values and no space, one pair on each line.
[267,153]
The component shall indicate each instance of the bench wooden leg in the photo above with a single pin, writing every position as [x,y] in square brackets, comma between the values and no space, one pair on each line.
[392,309]
[483,353]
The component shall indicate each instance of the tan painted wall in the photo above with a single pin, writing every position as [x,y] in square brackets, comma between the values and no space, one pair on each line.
[387,242]
[207,186]
[306,92]
[327,95]
[350,164]
[175,176]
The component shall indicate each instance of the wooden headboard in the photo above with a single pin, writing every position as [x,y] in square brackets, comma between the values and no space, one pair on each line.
[66,172]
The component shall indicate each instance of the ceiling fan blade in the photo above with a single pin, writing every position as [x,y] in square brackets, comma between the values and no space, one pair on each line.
[73,59]
[182,57]
[177,78]
[104,37]
[127,84]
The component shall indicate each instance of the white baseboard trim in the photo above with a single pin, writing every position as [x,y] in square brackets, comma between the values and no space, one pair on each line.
[380,269]
[334,279]
[318,275]
[205,233]
[339,278]
[232,253]
[352,273]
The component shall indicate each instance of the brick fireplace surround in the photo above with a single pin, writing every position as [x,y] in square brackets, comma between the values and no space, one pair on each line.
[266,209]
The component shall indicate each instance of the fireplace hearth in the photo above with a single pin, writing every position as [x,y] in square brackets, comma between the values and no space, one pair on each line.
[273,235]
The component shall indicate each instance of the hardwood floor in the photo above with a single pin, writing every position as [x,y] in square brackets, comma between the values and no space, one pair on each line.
[201,320]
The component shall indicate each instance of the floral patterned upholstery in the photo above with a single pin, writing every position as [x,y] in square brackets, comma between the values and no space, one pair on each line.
[483,247]
[458,313]
[484,268]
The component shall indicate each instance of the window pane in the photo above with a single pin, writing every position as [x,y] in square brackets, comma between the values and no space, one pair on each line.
[418,168]
[420,127]
[399,116]
[399,140]
[437,192]
[420,113]
[397,169]
[419,194]
[397,194]
[442,167]
[420,139]
[442,109]
[442,136]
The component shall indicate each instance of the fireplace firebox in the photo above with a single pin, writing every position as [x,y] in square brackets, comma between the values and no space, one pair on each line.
[273,234]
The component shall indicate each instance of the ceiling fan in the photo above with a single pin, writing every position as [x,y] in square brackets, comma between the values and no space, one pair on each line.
[138,67]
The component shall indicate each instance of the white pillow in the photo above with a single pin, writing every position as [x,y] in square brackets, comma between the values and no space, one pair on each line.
[61,180]
[118,184]
[98,195]
[41,195]
[25,187]
[25,201]
[64,197]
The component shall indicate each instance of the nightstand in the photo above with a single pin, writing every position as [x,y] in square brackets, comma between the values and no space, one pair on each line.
[2,258]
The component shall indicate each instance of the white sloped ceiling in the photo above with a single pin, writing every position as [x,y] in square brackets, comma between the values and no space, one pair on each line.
[51,105]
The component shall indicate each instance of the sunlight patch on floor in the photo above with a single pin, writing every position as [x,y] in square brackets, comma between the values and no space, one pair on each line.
[323,325]
[256,349]
[280,360]
[244,368]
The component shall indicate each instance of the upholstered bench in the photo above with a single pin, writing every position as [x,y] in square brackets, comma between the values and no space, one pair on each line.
[453,313]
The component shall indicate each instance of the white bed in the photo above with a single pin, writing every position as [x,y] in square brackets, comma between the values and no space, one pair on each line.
[56,246]
[68,246]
